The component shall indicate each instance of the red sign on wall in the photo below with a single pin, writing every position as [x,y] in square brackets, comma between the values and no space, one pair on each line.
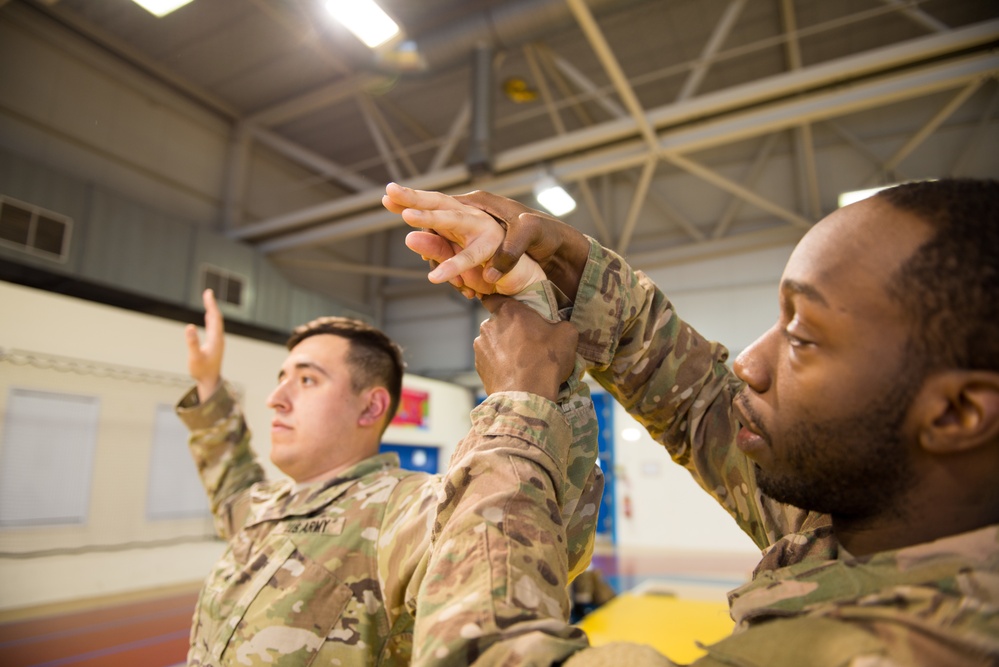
[414,409]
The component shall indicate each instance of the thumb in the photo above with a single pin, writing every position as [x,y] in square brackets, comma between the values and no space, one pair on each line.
[518,240]
[191,335]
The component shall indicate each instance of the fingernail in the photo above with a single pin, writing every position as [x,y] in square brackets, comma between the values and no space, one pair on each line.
[491,275]
[435,275]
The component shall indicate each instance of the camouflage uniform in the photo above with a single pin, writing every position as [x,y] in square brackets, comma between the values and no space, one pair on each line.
[328,573]
[495,591]
[810,602]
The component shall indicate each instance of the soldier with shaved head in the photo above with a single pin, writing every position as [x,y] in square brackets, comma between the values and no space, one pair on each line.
[856,441]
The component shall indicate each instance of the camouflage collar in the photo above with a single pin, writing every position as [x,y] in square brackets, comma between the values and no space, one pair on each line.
[281,499]
[946,565]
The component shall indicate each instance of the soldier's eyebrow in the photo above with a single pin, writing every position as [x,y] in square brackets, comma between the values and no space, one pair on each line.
[304,365]
[791,287]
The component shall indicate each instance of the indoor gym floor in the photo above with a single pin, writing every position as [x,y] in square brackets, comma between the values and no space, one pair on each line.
[668,601]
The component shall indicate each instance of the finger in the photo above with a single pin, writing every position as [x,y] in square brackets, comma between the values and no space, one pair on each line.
[419,199]
[519,237]
[502,208]
[454,223]
[391,205]
[456,261]
[193,344]
[430,246]
[437,250]
[474,255]
[214,325]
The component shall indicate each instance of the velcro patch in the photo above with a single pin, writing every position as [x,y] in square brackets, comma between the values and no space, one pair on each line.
[316,525]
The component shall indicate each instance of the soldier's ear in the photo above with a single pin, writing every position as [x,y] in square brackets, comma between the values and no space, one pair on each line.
[376,404]
[958,411]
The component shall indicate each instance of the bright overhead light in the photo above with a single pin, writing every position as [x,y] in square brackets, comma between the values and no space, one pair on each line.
[848,198]
[161,8]
[365,19]
[553,196]
[854,196]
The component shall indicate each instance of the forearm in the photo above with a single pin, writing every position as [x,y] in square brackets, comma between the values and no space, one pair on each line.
[583,481]
[220,445]
[672,380]
[497,576]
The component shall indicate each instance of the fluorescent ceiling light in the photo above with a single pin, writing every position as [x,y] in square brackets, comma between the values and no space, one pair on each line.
[365,19]
[848,198]
[553,196]
[160,8]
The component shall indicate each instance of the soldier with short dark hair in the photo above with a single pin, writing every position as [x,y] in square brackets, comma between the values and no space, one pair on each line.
[324,568]
[856,441]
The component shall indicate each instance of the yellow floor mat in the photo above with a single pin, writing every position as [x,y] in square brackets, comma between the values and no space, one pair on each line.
[669,624]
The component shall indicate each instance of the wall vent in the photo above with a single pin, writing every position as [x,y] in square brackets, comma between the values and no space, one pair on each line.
[34,230]
[229,287]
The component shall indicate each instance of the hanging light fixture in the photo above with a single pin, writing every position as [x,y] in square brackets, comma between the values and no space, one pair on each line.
[365,19]
[552,196]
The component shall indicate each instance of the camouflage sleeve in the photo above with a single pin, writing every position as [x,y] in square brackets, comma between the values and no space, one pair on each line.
[404,542]
[515,522]
[584,481]
[675,383]
[220,445]
[495,588]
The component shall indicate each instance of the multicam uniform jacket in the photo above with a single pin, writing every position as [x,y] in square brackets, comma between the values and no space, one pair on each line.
[328,573]
[810,602]
[495,588]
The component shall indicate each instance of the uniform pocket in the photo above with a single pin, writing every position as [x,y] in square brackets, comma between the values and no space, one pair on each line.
[285,611]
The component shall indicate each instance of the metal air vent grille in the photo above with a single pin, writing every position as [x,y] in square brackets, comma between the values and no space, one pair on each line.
[34,230]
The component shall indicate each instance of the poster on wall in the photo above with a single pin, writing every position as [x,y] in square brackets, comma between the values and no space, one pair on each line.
[414,409]
[422,458]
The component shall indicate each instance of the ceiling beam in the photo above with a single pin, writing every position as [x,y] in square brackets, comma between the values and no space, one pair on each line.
[637,201]
[458,126]
[136,58]
[765,119]
[381,144]
[586,86]
[711,48]
[735,204]
[974,141]
[321,165]
[927,129]
[917,15]
[690,252]
[350,267]
[613,68]
[785,110]
[339,91]
[835,72]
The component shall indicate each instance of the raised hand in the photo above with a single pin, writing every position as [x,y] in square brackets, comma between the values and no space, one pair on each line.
[518,350]
[437,249]
[463,238]
[560,249]
[204,360]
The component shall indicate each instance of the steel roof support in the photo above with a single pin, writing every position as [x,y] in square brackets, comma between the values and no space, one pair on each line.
[927,129]
[714,44]
[974,141]
[781,114]
[735,204]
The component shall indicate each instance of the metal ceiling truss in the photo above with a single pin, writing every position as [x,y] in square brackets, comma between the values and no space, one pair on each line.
[634,137]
